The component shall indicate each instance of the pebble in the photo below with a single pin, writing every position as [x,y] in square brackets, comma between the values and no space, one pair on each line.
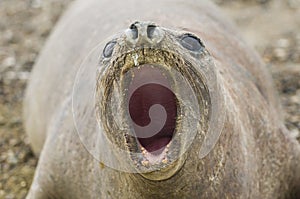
[8,62]
[10,75]
[22,155]
[11,158]
[2,193]
[8,36]
[23,75]
[23,184]
[295,133]
[10,196]
[14,142]
[283,43]
[281,54]
[295,99]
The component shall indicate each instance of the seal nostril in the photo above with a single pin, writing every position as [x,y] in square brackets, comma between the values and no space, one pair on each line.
[191,42]
[108,49]
[134,31]
[150,31]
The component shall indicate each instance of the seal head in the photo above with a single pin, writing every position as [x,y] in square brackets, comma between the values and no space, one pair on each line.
[152,98]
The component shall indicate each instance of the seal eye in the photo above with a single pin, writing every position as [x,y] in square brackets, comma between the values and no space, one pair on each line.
[134,30]
[150,31]
[108,49]
[191,42]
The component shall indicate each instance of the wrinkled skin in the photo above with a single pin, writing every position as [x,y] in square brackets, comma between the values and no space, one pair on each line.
[254,156]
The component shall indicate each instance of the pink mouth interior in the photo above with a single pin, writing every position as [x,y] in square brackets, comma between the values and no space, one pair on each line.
[150,87]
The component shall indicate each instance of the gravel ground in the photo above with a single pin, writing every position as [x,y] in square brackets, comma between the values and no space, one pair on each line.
[271,26]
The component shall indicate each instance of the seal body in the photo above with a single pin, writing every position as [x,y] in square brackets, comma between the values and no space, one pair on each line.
[254,156]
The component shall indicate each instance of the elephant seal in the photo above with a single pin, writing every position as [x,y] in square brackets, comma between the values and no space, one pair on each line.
[174,106]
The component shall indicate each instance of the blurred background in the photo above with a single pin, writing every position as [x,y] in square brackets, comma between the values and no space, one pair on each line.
[272,27]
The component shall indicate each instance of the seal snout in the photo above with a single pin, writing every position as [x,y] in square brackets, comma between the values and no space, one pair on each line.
[144,33]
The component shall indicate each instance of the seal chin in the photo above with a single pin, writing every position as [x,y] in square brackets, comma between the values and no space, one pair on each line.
[165,172]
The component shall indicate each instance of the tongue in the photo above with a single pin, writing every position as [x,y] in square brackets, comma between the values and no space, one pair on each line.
[148,89]
[155,145]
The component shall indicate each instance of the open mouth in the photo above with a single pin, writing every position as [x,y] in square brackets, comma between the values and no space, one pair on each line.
[153,110]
